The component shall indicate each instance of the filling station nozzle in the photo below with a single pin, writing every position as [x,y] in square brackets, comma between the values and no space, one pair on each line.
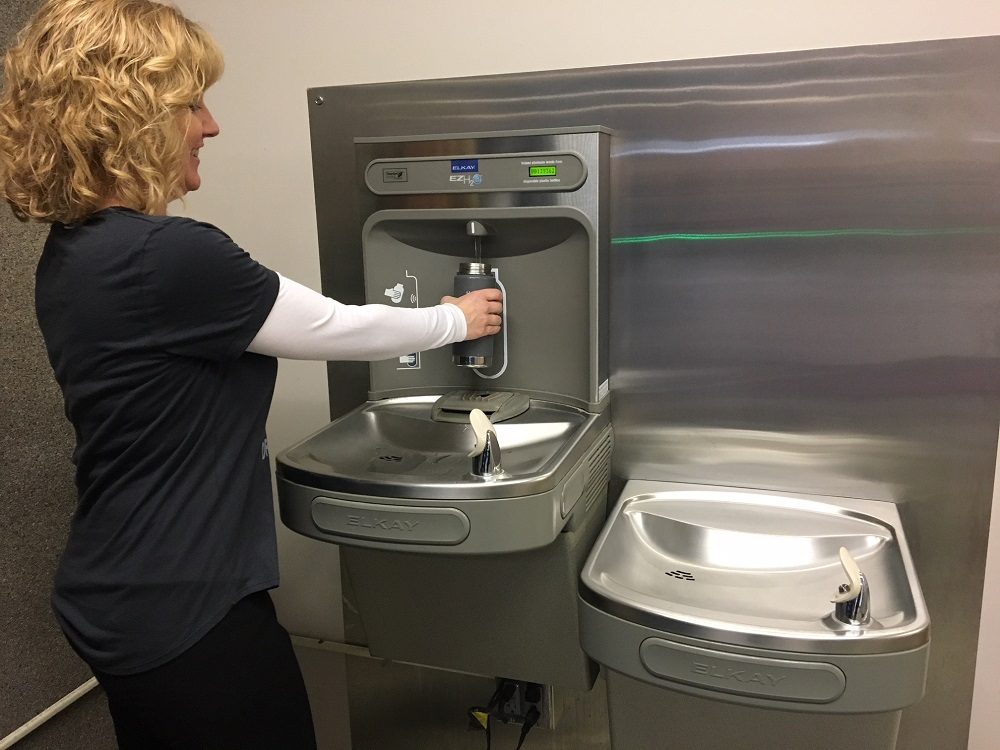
[477,231]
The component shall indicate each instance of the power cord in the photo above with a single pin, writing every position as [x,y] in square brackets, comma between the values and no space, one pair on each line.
[530,719]
[480,717]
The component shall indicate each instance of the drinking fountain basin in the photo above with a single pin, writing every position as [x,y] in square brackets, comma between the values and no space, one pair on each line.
[388,475]
[728,594]
[449,565]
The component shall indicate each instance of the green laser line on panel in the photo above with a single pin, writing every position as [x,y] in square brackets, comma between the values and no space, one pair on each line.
[802,234]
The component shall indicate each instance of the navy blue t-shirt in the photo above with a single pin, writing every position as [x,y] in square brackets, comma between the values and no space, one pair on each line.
[146,320]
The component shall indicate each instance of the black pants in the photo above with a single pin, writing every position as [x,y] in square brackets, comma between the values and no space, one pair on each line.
[238,688]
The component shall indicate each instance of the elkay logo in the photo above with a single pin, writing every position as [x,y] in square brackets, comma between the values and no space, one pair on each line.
[464,165]
[384,524]
[744,676]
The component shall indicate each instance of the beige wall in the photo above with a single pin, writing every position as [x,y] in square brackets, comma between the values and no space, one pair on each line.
[257,175]
[985,727]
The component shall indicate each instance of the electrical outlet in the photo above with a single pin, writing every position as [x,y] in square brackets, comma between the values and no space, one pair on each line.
[524,696]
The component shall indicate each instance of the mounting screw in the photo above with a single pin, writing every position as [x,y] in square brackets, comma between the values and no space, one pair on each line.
[318,100]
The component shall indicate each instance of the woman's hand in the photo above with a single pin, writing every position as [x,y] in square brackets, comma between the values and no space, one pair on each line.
[482,309]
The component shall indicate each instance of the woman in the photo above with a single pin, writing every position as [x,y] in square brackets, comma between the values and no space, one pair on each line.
[162,334]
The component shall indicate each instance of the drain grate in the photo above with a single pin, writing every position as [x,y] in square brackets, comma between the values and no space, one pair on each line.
[391,459]
[680,575]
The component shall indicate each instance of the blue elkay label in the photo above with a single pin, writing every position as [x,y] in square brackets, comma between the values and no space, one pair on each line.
[465,165]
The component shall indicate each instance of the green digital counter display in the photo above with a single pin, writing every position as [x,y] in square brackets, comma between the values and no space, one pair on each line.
[541,171]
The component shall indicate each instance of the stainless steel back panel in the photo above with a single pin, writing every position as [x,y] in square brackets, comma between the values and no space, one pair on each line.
[805,277]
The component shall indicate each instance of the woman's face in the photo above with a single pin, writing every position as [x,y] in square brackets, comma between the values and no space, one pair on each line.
[200,125]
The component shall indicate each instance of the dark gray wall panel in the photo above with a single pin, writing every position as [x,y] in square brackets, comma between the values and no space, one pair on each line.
[37,498]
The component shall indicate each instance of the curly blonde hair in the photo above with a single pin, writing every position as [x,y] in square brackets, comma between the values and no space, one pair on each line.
[94,106]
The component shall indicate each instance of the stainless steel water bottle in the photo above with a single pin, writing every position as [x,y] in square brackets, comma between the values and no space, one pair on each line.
[478,352]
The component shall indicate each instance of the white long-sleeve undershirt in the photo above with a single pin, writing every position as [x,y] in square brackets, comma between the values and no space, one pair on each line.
[304,324]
